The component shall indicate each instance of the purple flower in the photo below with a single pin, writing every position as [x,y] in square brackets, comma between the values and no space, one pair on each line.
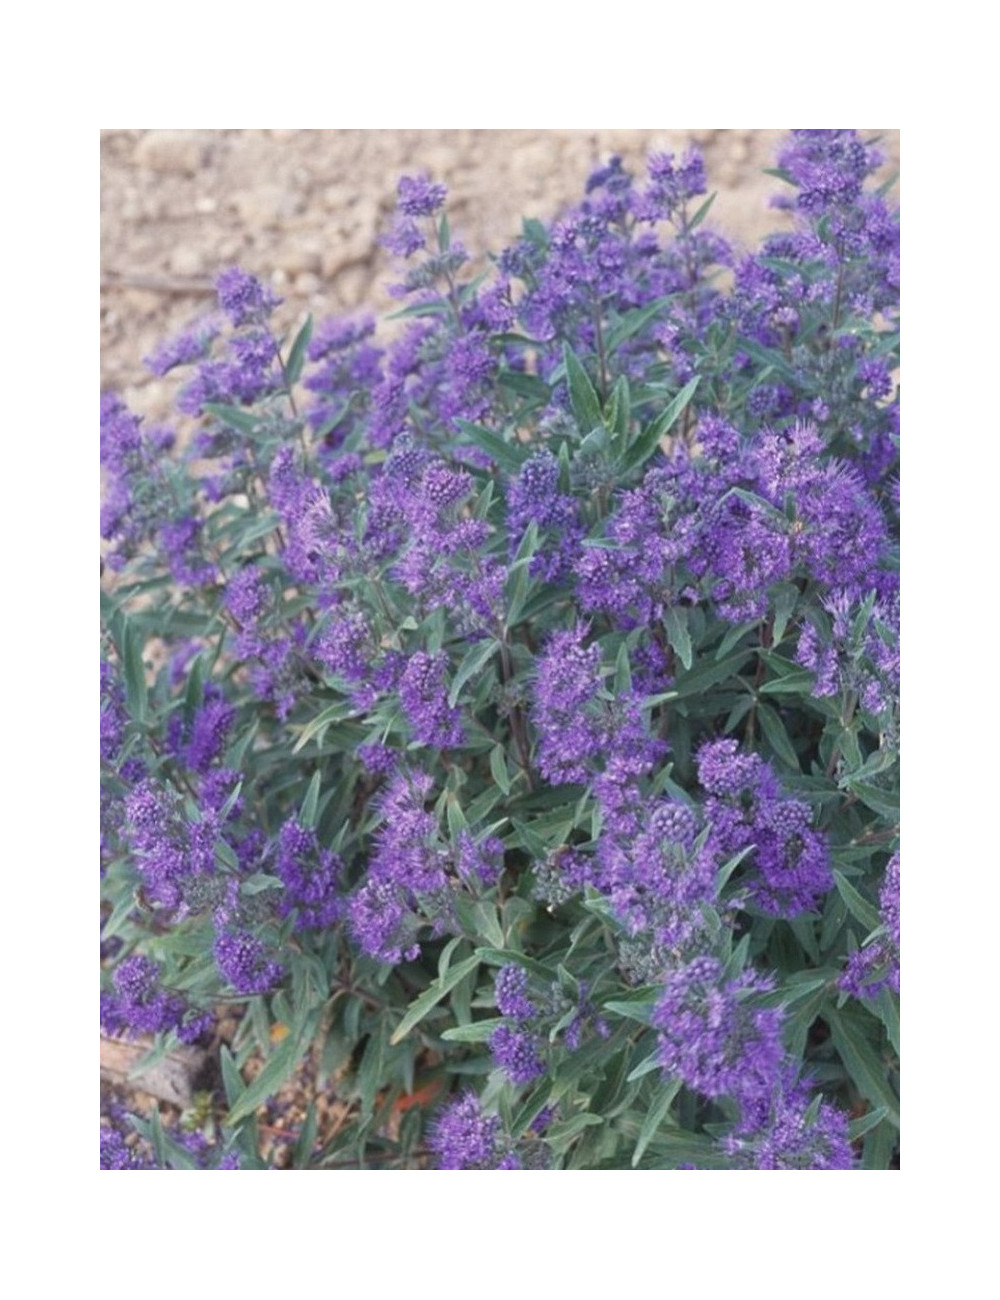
[170,852]
[406,873]
[243,298]
[247,596]
[876,966]
[515,1051]
[424,696]
[791,1133]
[311,876]
[462,1137]
[243,963]
[789,870]
[192,345]
[713,1037]
[566,687]
[116,1154]
[418,196]
[511,993]
[140,1006]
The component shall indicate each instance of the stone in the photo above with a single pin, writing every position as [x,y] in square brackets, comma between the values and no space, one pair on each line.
[186,260]
[173,152]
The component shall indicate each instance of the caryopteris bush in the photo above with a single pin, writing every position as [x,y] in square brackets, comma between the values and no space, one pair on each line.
[507,714]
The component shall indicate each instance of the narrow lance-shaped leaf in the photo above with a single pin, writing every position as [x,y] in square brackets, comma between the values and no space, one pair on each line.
[649,439]
[582,394]
[297,356]
[431,996]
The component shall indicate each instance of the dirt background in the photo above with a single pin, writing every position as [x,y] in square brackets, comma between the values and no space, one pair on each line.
[304,210]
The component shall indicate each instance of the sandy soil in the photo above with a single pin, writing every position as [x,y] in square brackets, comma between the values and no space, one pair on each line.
[304,209]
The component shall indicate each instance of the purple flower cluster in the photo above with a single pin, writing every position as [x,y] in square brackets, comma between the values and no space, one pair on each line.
[407,869]
[876,966]
[534,497]
[114,715]
[117,1154]
[789,869]
[170,852]
[244,962]
[657,878]
[188,347]
[415,515]
[791,1132]
[514,1045]
[137,497]
[715,1036]
[199,742]
[566,689]
[423,691]
[311,876]
[139,1005]
[601,256]
[348,367]
[515,1051]
[243,298]
[859,655]
[462,1137]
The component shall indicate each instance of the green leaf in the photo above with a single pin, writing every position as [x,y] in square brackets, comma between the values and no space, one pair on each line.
[705,675]
[476,658]
[525,385]
[732,636]
[774,729]
[865,1123]
[560,1135]
[278,1068]
[431,996]
[888,1009]
[619,408]
[654,1118]
[310,804]
[297,356]
[234,416]
[510,456]
[884,802]
[634,321]
[676,620]
[332,713]
[582,394]
[726,870]
[371,1071]
[133,670]
[498,768]
[858,906]
[797,683]
[862,1063]
[505,957]
[650,1059]
[307,1139]
[478,1032]
[231,1078]
[701,214]
[785,599]
[649,439]
[634,1010]
[880,1143]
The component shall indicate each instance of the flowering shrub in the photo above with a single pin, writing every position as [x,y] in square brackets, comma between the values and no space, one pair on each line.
[525,710]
